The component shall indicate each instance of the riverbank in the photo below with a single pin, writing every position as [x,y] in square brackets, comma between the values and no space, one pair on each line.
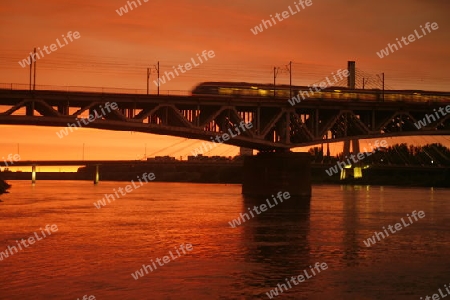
[231,172]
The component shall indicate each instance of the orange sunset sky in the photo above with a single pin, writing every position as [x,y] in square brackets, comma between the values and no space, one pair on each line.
[115,51]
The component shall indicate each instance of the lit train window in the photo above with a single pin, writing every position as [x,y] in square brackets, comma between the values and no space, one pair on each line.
[283,93]
[268,93]
[318,94]
[300,92]
[327,95]
[337,95]
[249,92]
[349,96]
[390,97]
[263,93]
[371,97]
[225,91]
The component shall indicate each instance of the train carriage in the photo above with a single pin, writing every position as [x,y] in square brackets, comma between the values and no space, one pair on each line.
[245,89]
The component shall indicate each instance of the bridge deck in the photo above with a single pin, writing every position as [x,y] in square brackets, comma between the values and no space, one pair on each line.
[275,123]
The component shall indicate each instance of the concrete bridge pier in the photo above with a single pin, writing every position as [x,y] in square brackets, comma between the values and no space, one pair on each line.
[269,173]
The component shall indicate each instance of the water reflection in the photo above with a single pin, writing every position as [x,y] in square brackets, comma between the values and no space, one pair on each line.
[95,251]
[351,224]
[277,239]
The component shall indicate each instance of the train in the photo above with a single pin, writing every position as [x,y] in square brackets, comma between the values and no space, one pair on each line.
[245,89]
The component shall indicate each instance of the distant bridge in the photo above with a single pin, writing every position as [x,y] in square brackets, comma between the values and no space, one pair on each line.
[98,164]
[66,163]
[276,124]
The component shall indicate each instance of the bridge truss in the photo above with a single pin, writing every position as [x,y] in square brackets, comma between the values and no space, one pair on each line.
[276,125]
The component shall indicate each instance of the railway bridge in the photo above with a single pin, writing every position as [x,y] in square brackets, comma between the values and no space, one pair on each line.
[277,126]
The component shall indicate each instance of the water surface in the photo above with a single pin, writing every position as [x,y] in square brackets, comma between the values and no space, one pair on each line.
[95,250]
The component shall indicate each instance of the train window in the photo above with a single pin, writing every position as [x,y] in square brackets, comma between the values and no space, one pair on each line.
[225,91]
[268,93]
[249,92]
[263,93]
[317,95]
[350,96]
[368,96]
[282,93]
[327,95]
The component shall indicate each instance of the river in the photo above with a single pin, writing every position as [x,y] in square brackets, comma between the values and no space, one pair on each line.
[95,251]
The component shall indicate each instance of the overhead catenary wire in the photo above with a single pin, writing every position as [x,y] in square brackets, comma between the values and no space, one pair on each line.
[133,69]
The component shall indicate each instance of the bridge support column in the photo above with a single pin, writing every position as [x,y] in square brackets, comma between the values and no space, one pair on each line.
[33,174]
[63,109]
[269,173]
[97,174]
[29,110]
[355,146]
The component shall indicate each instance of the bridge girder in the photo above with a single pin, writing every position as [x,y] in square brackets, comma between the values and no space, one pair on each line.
[276,124]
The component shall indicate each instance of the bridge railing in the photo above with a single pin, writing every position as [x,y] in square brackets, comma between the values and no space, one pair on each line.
[88,89]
